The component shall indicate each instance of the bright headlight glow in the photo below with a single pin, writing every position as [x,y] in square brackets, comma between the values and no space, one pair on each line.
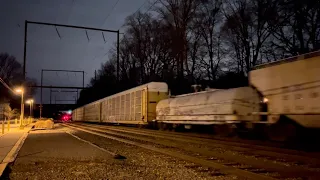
[265,100]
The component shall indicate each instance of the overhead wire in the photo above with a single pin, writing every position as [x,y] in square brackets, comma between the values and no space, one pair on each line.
[58,32]
[58,76]
[104,39]
[114,5]
[87,36]
[146,1]
[154,3]
[104,20]
[139,9]
[68,77]
[6,85]
[72,4]
[141,6]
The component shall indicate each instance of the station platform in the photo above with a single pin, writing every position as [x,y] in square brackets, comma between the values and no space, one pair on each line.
[10,142]
[55,154]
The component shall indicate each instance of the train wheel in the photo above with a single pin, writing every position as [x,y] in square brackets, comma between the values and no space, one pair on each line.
[177,128]
[224,130]
[163,126]
[152,125]
[140,126]
[283,132]
[259,132]
[170,127]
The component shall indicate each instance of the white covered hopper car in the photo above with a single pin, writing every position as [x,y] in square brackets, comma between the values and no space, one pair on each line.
[283,96]
[210,107]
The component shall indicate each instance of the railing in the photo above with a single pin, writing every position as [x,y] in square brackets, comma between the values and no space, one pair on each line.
[7,125]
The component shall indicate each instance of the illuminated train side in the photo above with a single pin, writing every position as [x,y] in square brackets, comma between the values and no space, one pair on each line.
[282,95]
[210,107]
[133,106]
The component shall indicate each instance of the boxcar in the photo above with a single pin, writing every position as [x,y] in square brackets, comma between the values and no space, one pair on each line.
[133,106]
[77,114]
[292,87]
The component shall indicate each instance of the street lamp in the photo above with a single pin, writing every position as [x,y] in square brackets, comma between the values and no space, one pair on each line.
[30,102]
[20,91]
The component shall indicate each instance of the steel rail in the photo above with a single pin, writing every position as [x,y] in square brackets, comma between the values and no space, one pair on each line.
[222,168]
[229,156]
[258,150]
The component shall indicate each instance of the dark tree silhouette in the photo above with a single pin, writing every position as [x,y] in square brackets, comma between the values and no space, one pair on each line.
[11,74]
[214,43]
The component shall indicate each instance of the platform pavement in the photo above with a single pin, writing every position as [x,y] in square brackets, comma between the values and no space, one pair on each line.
[56,154]
[10,142]
[4,127]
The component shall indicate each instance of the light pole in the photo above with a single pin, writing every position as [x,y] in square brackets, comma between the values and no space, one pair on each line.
[32,109]
[20,90]
[30,102]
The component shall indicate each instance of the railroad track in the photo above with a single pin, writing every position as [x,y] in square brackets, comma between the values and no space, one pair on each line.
[203,136]
[226,162]
[253,144]
[259,150]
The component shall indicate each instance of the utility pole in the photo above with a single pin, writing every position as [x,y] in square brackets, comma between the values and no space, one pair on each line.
[118,54]
[66,100]
[25,48]
[56,70]
[50,94]
[58,87]
[41,94]
[95,75]
[59,25]
[82,79]
[51,91]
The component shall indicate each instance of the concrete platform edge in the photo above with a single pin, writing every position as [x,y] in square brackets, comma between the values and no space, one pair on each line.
[11,156]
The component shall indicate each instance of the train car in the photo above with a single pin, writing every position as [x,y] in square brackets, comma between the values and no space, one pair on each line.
[283,95]
[133,106]
[292,88]
[211,107]
[77,114]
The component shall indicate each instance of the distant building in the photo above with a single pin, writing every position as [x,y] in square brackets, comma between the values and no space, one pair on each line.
[4,111]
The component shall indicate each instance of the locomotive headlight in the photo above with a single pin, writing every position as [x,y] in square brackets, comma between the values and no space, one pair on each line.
[265,100]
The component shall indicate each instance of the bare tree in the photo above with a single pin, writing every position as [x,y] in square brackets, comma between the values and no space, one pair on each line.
[178,15]
[10,68]
[301,31]
[11,73]
[208,21]
[193,67]
[249,24]
[208,41]
[14,113]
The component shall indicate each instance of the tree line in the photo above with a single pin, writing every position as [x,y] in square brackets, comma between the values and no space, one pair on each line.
[11,73]
[214,43]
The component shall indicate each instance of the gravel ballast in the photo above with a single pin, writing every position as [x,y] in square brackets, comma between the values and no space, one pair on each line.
[54,154]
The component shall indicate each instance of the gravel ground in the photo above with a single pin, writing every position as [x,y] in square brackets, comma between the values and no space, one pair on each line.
[220,150]
[153,165]
[54,154]
[285,162]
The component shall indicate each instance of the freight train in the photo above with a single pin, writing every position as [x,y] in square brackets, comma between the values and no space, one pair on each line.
[283,96]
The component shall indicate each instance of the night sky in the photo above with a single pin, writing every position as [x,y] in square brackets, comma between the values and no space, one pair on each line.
[45,50]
